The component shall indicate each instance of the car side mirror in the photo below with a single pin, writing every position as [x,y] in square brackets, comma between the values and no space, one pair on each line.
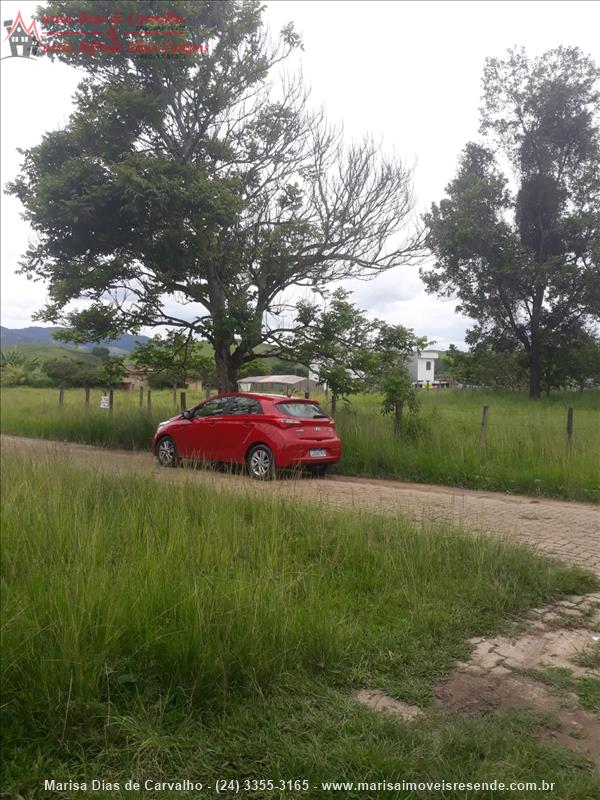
[187,414]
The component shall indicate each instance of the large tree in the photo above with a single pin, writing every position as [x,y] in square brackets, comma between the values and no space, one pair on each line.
[521,251]
[203,181]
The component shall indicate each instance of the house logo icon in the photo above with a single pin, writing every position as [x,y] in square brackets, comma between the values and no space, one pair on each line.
[24,40]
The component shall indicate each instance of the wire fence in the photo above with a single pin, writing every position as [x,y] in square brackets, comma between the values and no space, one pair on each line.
[145,399]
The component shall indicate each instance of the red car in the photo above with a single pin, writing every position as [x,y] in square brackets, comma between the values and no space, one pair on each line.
[264,432]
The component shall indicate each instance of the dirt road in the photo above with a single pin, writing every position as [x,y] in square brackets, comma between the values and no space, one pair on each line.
[565,530]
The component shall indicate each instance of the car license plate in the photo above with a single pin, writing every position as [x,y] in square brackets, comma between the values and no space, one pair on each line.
[318,453]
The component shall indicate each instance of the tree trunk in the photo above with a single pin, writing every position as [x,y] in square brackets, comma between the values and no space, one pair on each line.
[226,369]
[333,404]
[535,371]
[399,406]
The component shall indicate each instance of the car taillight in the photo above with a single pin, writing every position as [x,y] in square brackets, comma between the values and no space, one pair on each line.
[287,422]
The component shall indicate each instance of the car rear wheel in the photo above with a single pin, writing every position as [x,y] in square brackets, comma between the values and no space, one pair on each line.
[260,463]
[166,452]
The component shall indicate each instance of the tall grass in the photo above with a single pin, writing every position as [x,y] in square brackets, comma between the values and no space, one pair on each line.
[525,449]
[133,609]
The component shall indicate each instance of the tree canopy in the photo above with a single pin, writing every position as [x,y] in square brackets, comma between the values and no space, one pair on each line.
[517,238]
[172,359]
[349,351]
[205,181]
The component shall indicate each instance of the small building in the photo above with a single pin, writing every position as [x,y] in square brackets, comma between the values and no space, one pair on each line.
[135,379]
[278,384]
[422,367]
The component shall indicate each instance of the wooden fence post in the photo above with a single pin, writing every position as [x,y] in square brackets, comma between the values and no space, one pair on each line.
[183,403]
[174,394]
[61,397]
[570,428]
[110,401]
[87,396]
[141,396]
[484,422]
[149,399]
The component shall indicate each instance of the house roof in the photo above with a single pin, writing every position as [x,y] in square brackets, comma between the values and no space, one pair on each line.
[429,354]
[285,380]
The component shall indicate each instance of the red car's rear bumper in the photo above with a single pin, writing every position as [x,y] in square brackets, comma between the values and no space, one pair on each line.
[299,452]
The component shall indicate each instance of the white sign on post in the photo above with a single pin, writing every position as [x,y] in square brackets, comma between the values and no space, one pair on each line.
[104,401]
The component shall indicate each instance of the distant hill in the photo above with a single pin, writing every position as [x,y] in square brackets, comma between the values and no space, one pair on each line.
[45,352]
[9,337]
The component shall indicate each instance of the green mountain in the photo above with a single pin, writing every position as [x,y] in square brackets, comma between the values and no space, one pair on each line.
[9,337]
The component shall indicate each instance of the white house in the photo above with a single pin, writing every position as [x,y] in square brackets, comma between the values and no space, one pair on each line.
[422,367]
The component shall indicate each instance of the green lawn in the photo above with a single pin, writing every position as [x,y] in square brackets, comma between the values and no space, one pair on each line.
[525,449]
[163,631]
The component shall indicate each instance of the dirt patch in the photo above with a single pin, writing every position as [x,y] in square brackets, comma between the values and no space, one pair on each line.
[379,701]
[547,648]
[501,675]
[493,677]
[557,636]
[476,694]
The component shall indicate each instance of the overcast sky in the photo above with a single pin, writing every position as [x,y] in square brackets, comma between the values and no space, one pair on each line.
[407,72]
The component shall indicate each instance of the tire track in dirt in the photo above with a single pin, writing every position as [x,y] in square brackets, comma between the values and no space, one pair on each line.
[568,531]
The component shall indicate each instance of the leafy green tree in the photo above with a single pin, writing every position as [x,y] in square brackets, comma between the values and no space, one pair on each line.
[525,262]
[194,179]
[173,359]
[19,369]
[334,340]
[256,367]
[575,365]
[443,365]
[112,370]
[398,392]
[394,345]
[289,368]
[488,366]
[350,352]
[16,358]
[67,372]
[13,375]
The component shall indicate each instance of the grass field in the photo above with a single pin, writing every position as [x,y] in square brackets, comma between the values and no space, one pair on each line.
[525,449]
[174,632]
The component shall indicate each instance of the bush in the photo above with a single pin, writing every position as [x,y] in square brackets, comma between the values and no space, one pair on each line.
[39,380]
[66,372]
[14,375]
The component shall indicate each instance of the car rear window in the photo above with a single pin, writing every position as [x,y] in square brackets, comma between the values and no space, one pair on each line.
[303,410]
